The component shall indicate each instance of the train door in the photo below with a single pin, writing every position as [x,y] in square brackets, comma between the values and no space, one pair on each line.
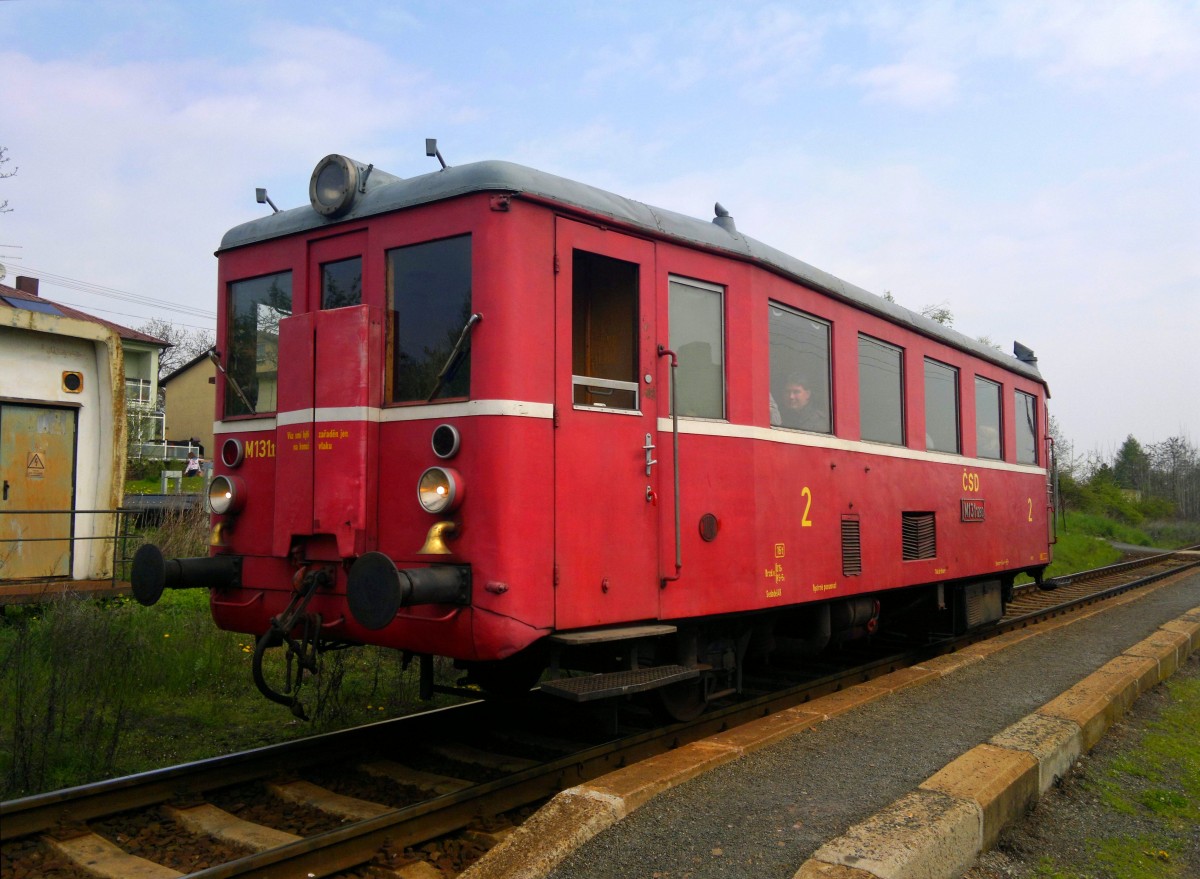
[37,467]
[606,476]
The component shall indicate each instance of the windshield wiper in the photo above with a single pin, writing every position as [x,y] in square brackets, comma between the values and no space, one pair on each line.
[215,356]
[452,360]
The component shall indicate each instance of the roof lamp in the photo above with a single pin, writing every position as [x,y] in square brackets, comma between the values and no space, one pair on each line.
[335,183]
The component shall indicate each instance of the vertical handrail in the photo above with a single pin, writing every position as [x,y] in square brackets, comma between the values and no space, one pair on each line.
[664,351]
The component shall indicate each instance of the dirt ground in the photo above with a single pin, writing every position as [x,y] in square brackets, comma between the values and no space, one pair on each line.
[1125,811]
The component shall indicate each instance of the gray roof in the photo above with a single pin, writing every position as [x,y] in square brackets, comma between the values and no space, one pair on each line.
[386,193]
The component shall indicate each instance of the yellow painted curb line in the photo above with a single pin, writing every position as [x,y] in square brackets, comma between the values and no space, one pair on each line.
[997,781]
[575,815]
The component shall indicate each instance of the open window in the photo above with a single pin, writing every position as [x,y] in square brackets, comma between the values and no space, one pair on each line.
[604,338]
[799,370]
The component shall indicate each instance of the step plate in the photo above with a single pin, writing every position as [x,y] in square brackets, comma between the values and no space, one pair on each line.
[618,683]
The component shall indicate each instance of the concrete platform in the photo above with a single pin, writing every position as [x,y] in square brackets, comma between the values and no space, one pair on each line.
[851,786]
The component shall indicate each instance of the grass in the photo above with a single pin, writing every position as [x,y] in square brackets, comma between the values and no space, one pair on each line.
[1085,541]
[153,485]
[1156,784]
[96,689]
[93,689]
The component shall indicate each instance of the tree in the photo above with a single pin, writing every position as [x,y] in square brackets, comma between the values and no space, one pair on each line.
[4,160]
[1131,469]
[939,312]
[1175,474]
[185,344]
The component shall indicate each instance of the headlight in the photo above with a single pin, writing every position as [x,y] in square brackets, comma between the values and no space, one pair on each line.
[334,185]
[439,490]
[226,494]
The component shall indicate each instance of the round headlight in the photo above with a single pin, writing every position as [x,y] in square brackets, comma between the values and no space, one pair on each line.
[439,490]
[226,494]
[445,441]
[333,185]
[232,452]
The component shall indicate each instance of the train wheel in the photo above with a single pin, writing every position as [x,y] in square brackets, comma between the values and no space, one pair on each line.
[683,701]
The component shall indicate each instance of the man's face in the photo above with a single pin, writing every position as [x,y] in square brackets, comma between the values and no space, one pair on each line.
[796,396]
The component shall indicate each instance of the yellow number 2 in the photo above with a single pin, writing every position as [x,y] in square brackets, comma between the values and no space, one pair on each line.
[806,522]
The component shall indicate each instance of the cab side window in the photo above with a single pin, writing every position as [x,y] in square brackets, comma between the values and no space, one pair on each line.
[697,338]
[604,332]
[1027,428]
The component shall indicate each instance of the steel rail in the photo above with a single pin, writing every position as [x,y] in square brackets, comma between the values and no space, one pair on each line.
[355,843]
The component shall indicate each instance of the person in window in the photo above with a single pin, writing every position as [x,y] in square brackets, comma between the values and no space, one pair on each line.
[798,409]
[192,468]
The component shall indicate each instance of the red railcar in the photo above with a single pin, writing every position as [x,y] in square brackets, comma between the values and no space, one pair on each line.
[446,426]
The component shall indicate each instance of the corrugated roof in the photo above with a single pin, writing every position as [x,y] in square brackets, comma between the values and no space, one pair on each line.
[7,293]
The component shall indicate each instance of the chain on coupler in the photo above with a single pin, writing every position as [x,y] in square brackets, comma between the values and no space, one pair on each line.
[303,651]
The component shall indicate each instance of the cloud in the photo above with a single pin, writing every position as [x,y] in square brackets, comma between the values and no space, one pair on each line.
[170,150]
[910,85]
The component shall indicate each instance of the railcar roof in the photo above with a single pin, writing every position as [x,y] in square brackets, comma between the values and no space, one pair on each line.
[386,193]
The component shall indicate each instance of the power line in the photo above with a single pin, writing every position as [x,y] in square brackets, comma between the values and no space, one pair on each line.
[141,317]
[113,293]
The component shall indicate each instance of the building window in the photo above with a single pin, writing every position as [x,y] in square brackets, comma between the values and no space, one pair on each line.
[799,347]
[1027,429]
[697,338]
[987,419]
[881,391]
[252,337]
[604,332]
[941,407]
[429,303]
[341,283]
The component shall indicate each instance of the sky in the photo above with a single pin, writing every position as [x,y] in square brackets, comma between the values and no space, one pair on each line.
[1032,166]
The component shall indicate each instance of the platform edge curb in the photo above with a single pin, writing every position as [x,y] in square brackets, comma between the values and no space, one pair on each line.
[1055,735]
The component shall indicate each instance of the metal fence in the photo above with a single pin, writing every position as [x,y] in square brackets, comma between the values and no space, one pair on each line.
[122,528]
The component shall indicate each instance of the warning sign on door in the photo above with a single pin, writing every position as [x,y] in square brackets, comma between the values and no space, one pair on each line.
[35,467]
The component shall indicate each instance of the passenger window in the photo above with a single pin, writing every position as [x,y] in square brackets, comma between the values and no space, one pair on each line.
[1026,428]
[987,419]
[604,313]
[341,283]
[252,336]
[941,407]
[697,338]
[429,299]
[881,391]
[799,346]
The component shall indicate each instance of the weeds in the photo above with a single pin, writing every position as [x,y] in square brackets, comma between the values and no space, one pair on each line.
[91,689]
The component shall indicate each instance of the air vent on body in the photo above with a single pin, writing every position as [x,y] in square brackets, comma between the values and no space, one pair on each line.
[919,536]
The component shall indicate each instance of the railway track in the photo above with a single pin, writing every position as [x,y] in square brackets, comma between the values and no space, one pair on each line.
[430,792]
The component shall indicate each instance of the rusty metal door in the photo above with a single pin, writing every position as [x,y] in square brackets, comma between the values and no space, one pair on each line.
[37,466]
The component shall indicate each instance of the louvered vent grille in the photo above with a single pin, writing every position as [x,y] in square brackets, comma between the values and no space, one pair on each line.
[919,536]
[851,548]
